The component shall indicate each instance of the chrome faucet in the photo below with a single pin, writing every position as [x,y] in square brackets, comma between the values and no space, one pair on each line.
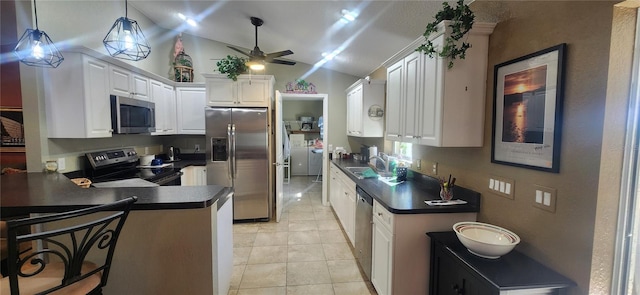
[386,165]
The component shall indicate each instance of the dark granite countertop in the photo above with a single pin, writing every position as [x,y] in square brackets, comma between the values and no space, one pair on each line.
[409,196]
[25,193]
[512,271]
[186,160]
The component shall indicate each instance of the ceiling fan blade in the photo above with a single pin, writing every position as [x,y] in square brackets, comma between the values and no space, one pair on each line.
[278,54]
[238,50]
[282,62]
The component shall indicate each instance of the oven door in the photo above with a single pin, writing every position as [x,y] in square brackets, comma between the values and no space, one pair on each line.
[172,179]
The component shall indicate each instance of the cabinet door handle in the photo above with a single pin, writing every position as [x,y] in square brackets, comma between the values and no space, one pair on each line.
[379,213]
[458,290]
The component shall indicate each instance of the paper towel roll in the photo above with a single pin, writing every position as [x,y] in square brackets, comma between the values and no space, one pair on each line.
[373,151]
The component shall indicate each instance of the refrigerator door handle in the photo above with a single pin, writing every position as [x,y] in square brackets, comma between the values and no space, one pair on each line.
[233,148]
[229,149]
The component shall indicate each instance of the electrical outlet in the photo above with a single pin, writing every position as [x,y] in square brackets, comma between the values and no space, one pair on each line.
[62,165]
[545,198]
[434,168]
[197,148]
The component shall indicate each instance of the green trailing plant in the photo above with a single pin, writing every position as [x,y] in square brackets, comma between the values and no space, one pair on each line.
[232,66]
[461,20]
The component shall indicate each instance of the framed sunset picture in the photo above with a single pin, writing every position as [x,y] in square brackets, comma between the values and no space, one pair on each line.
[527,110]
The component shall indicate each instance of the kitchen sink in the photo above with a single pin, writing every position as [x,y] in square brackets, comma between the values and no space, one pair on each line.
[357,171]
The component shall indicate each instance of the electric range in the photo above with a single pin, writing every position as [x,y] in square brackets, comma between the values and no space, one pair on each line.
[120,168]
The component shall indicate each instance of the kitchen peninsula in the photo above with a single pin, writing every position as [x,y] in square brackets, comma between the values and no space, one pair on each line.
[177,240]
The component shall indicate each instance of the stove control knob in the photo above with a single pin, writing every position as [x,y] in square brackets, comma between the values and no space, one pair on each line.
[97,158]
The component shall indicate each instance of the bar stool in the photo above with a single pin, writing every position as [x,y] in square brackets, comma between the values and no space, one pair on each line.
[57,262]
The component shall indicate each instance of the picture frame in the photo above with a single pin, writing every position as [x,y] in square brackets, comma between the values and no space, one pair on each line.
[12,127]
[527,110]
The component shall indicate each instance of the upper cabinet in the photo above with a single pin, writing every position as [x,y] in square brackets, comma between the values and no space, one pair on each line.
[126,83]
[249,90]
[164,97]
[190,108]
[365,112]
[79,86]
[430,104]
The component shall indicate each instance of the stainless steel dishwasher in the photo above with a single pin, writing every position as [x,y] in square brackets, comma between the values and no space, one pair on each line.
[364,220]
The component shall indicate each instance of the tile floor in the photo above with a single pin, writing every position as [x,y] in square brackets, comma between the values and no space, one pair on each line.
[305,253]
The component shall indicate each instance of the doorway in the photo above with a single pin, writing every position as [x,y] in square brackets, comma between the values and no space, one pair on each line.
[300,115]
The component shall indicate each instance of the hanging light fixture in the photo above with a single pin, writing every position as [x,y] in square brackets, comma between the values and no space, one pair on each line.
[125,40]
[35,48]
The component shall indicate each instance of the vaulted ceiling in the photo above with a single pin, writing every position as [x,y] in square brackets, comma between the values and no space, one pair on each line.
[308,28]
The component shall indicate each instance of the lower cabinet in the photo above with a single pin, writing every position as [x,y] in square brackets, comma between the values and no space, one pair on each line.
[453,279]
[399,263]
[193,175]
[455,271]
[381,258]
[343,200]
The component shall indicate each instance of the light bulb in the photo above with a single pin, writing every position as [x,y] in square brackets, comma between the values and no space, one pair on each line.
[128,40]
[36,50]
[257,67]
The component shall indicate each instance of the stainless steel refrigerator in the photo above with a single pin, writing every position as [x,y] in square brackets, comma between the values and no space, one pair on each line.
[238,156]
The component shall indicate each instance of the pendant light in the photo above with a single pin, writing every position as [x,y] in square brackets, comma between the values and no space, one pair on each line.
[35,48]
[125,40]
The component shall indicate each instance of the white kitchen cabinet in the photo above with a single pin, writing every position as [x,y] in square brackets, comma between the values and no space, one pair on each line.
[381,258]
[191,101]
[163,96]
[439,106]
[394,129]
[79,86]
[350,210]
[397,267]
[343,200]
[248,90]
[129,84]
[403,80]
[193,175]
[365,108]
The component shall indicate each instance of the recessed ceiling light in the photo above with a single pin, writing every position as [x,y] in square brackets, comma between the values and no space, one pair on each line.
[188,20]
[348,16]
[192,22]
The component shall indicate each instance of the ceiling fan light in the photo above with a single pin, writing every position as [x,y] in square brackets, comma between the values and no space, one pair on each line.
[125,40]
[35,48]
[256,66]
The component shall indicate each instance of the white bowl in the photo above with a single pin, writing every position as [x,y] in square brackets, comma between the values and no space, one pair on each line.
[485,240]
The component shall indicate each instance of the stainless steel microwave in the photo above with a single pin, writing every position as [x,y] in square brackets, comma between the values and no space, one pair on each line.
[130,115]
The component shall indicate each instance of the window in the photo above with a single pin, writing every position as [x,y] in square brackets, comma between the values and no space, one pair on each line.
[402,150]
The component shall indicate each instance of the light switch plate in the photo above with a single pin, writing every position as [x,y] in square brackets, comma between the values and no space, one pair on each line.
[545,198]
[502,186]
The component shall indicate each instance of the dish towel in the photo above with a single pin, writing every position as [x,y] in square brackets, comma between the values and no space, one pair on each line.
[445,203]
[369,173]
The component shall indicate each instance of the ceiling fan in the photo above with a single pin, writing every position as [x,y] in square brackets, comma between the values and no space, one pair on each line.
[257,55]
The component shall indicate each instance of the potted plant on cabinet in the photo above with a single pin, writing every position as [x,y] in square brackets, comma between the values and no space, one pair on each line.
[460,19]
[232,66]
